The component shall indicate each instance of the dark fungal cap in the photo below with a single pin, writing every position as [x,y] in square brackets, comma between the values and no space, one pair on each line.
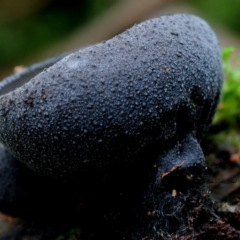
[144,90]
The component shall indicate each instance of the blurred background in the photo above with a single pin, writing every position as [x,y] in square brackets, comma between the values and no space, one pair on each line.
[31,31]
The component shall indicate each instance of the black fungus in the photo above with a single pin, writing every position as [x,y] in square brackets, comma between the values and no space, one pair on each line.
[112,130]
[141,93]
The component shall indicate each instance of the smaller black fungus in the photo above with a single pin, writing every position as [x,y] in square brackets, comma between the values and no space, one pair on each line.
[26,193]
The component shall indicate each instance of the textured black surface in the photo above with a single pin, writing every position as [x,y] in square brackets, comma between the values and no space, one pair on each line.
[103,106]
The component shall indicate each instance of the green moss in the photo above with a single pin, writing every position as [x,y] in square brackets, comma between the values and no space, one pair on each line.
[229,108]
[227,117]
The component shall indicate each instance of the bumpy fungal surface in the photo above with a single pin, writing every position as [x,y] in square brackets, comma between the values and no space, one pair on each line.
[148,89]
